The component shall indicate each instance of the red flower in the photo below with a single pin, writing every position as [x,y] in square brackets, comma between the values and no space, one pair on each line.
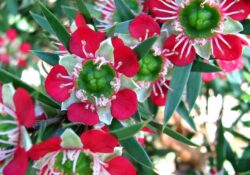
[25,47]
[94,142]
[192,31]
[95,79]
[23,114]
[11,34]
[143,27]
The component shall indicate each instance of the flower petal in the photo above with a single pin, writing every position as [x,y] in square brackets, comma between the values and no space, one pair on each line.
[117,42]
[241,6]
[125,60]
[19,163]
[120,166]
[160,100]
[54,84]
[227,47]
[80,21]
[90,38]
[207,77]
[180,55]
[25,107]
[143,27]
[125,104]
[229,66]
[47,146]
[99,141]
[156,7]
[77,112]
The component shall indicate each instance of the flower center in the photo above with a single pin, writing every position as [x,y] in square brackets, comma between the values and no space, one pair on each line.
[150,67]
[73,161]
[199,20]
[96,80]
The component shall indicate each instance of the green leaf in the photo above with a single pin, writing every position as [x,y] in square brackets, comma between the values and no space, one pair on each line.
[50,58]
[84,11]
[201,66]
[142,49]
[231,156]
[60,31]
[127,132]
[133,148]
[245,173]
[12,6]
[178,83]
[6,77]
[246,25]
[122,27]
[70,12]
[182,110]
[123,10]
[172,133]
[246,123]
[193,88]
[243,164]
[237,134]
[42,22]
[220,147]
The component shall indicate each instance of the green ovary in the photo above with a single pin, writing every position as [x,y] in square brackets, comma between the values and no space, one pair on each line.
[150,67]
[199,20]
[96,81]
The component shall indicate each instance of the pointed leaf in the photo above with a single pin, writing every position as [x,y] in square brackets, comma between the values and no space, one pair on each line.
[123,10]
[220,147]
[178,83]
[201,66]
[129,131]
[143,48]
[70,12]
[50,58]
[182,110]
[246,25]
[193,88]
[60,31]
[42,22]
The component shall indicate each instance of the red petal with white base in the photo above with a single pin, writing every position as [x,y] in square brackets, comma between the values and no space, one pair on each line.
[179,55]
[84,42]
[45,147]
[238,11]
[11,34]
[125,104]
[54,84]
[5,58]
[99,141]
[158,99]
[25,107]
[120,166]
[77,112]
[80,21]
[126,61]
[157,7]
[143,27]
[18,164]
[227,47]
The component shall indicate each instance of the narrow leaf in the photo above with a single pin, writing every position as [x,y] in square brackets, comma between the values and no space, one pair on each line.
[220,147]
[143,48]
[50,58]
[246,26]
[70,12]
[12,6]
[178,83]
[42,22]
[201,66]
[182,110]
[60,31]
[193,88]
[172,133]
[127,132]
[6,77]
[84,11]
[123,10]
[133,148]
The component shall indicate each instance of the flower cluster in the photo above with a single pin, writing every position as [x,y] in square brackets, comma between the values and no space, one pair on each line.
[13,51]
